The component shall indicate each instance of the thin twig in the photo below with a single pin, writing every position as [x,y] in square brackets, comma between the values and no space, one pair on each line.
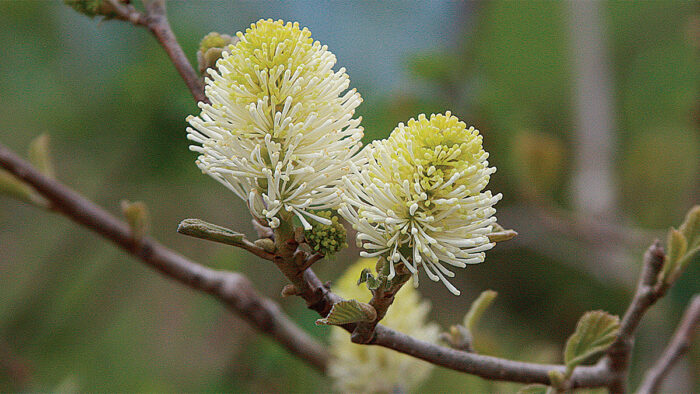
[311,260]
[156,21]
[649,290]
[233,289]
[677,347]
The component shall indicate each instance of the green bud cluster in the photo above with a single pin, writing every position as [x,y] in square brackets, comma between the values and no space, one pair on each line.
[327,239]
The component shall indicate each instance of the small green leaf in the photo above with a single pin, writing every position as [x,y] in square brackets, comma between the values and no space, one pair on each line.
[533,389]
[372,282]
[345,312]
[478,308]
[13,187]
[677,246]
[364,275]
[681,246]
[92,8]
[595,331]
[39,155]
[691,228]
[136,214]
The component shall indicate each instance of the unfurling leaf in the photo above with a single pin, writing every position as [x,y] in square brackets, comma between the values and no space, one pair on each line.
[372,282]
[13,187]
[478,308]
[595,331]
[691,227]
[39,155]
[351,311]
[681,246]
[533,389]
[92,8]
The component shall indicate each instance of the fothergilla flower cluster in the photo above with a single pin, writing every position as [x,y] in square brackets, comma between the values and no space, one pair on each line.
[420,200]
[280,133]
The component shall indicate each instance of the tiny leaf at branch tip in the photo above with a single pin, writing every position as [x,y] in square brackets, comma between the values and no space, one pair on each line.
[200,229]
[478,308]
[39,155]
[595,332]
[92,8]
[346,312]
[136,214]
[682,245]
[502,236]
[13,187]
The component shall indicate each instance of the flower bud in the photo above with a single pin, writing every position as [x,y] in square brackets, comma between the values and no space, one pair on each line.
[211,49]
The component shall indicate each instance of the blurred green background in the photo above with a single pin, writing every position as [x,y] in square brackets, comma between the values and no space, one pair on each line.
[78,314]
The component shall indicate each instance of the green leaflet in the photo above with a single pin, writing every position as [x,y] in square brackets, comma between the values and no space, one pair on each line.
[478,308]
[595,331]
[681,246]
[345,312]
[372,282]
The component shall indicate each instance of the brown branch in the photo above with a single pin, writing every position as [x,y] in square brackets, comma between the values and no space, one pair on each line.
[156,21]
[677,347]
[319,298]
[382,299]
[233,289]
[649,290]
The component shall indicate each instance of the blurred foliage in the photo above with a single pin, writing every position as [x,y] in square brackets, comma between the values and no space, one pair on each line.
[77,314]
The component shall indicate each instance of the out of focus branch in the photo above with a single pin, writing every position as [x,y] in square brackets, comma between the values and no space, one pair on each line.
[156,21]
[593,185]
[676,348]
[233,289]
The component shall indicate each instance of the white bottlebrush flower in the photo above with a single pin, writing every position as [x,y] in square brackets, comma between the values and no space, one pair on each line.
[373,369]
[420,198]
[279,131]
